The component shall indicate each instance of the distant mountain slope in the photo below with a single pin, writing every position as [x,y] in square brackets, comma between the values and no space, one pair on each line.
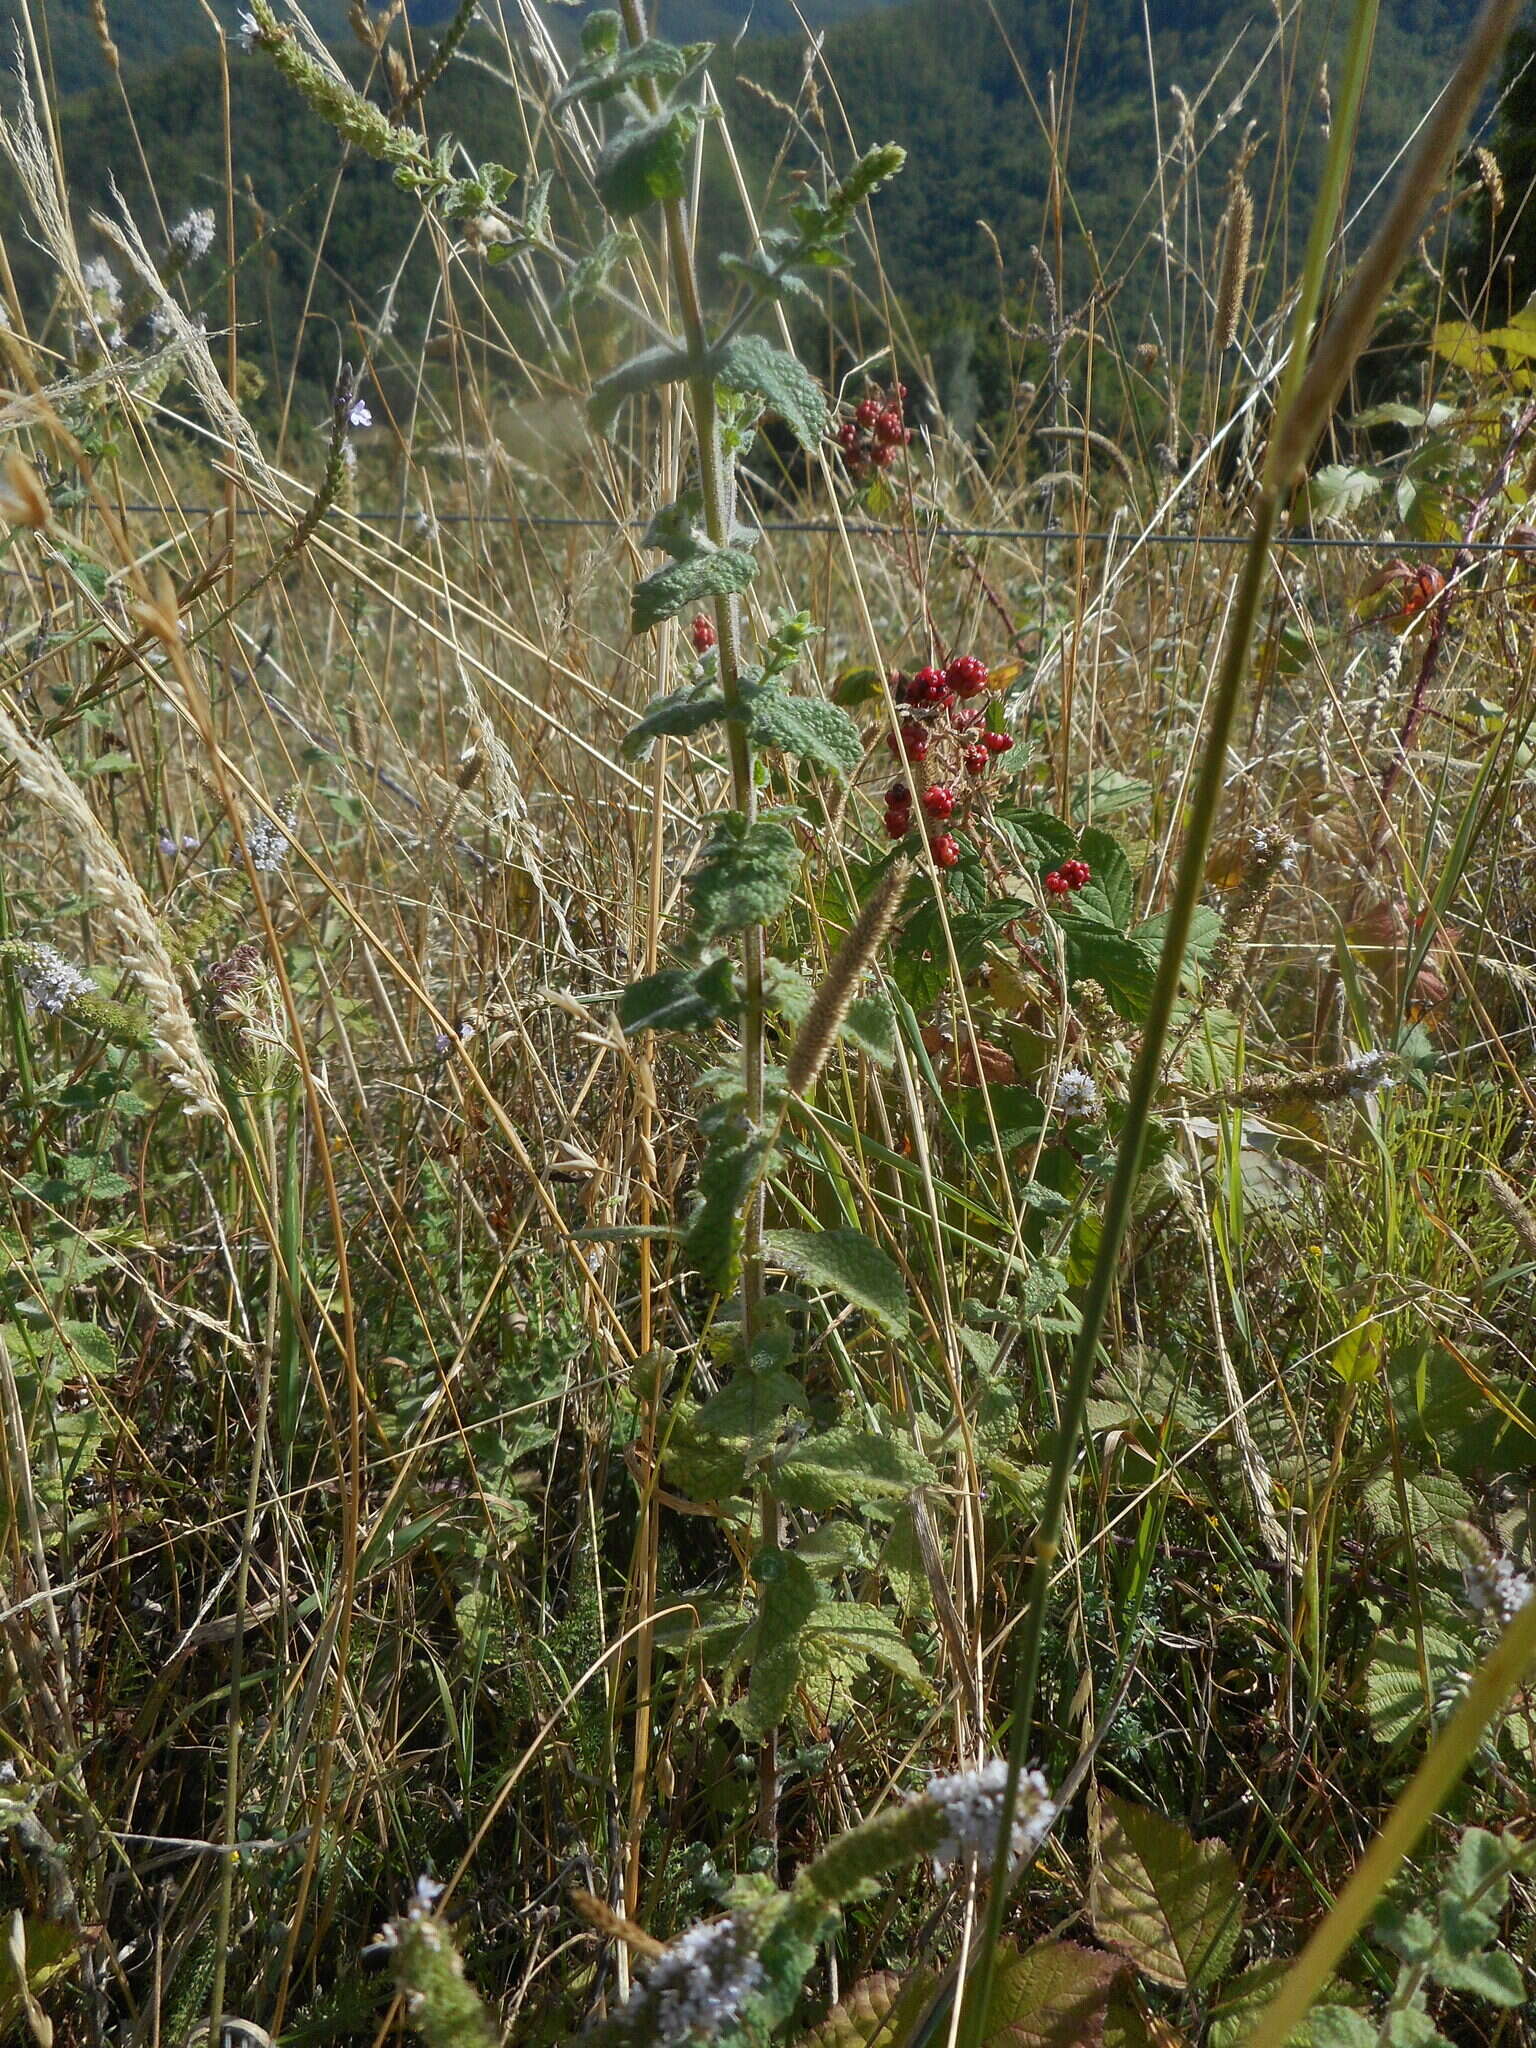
[149,32]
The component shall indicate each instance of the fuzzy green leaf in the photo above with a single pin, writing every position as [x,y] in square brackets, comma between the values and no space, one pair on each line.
[736,1159]
[787,1598]
[747,876]
[647,371]
[749,1403]
[754,366]
[1170,1903]
[786,991]
[1492,1975]
[850,1264]
[605,80]
[646,161]
[1394,1683]
[870,1026]
[877,2012]
[808,728]
[1411,2028]
[843,1634]
[712,572]
[680,999]
[840,1467]
[1018,1114]
[674,716]
[1339,2026]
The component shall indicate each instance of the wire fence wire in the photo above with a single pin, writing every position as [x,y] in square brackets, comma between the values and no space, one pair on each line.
[922,530]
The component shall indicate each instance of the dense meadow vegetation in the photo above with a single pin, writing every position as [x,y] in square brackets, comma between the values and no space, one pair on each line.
[766,1029]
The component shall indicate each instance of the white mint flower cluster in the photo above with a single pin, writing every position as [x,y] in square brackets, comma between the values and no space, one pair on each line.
[1496,1588]
[696,1990]
[972,1805]
[1076,1093]
[50,983]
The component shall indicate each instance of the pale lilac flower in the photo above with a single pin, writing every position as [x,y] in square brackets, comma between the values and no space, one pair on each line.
[50,983]
[1496,1588]
[1076,1094]
[695,1990]
[269,840]
[247,30]
[1367,1072]
[972,1805]
[358,414]
[193,236]
[168,846]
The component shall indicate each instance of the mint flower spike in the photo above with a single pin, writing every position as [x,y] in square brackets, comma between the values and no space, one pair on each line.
[971,1803]
[51,983]
[695,1990]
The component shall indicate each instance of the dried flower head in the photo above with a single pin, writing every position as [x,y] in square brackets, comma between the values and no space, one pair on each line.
[972,1805]
[1366,1072]
[51,983]
[695,1990]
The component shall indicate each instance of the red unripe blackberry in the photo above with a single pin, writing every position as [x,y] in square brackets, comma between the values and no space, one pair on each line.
[884,457]
[848,436]
[897,795]
[1076,873]
[966,676]
[898,823]
[704,635]
[901,393]
[1057,884]
[946,850]
[938,801]
[997,742]
[927,687]
[867,412]
[888,427]
[976,760]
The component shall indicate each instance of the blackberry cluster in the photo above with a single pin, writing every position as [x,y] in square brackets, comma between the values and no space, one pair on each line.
[942,734]
[876,432]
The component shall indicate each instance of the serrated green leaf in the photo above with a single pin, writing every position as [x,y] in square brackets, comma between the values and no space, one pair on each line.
[1482,1864]
[1411,2028]
[1339,2026]
[1394,1686]
[1409,1933]
[787,1598]
[680,999]
[1491,1975]
[736,1160]
[747,876]
[751,365]
[749,1403]
[901,1561]
[1338,490]
[605,79]
[786,991]
[1018,1114]
[1434,1502]
[648,371]
[808,728]
[587,276]
[1465,1929]
[674,716]
[1170,1903]
[879,2010]
[647,161]
[1051,1996]
[843,1634]
[712,572]
[1118,964]
[850,1264]
[869,1025]
[1112,890]
[840,1467]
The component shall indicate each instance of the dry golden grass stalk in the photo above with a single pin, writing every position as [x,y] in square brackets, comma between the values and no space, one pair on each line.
[23,501]
[144,953]
[1236,243]
[1520,1219]
[818,1033]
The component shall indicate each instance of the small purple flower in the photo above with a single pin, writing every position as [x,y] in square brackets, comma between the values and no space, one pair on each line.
[358,414]
[50,983]
[168,846]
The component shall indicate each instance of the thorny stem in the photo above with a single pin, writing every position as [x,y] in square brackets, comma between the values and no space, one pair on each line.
[717,481]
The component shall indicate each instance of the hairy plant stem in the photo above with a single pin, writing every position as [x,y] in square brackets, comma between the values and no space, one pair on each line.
[717,483]
[1204,804]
